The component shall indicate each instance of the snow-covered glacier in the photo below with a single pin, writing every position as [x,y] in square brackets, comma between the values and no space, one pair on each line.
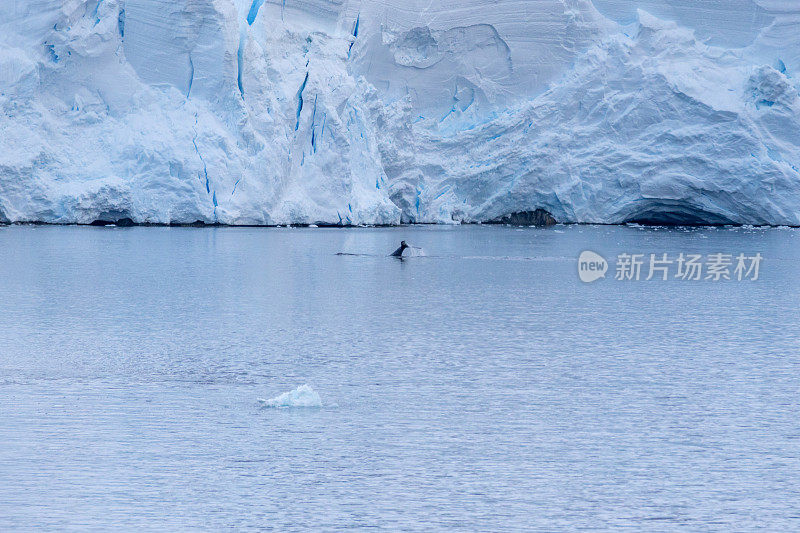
[367,112]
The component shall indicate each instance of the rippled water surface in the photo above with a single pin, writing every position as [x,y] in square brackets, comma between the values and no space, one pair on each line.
[479,387]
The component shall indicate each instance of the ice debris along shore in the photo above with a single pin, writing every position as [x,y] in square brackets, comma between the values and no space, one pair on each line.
[271,112]
[302,396]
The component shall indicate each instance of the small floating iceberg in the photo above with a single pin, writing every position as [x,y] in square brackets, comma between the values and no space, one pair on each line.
[302,396]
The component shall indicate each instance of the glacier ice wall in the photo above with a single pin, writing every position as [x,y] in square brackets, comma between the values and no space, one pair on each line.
[169,111]
[353,112]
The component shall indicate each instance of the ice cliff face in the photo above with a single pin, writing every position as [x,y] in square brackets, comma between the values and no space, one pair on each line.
[346,112]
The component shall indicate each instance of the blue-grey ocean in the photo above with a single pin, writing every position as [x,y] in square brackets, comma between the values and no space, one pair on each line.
[480,386]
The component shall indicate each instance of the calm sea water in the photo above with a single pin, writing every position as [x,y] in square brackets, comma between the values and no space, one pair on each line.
[481,387]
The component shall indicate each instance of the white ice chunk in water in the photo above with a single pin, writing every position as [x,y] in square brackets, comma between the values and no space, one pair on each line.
[302,396]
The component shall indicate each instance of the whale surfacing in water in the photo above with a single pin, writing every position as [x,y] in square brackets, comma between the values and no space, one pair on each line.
[399,251]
